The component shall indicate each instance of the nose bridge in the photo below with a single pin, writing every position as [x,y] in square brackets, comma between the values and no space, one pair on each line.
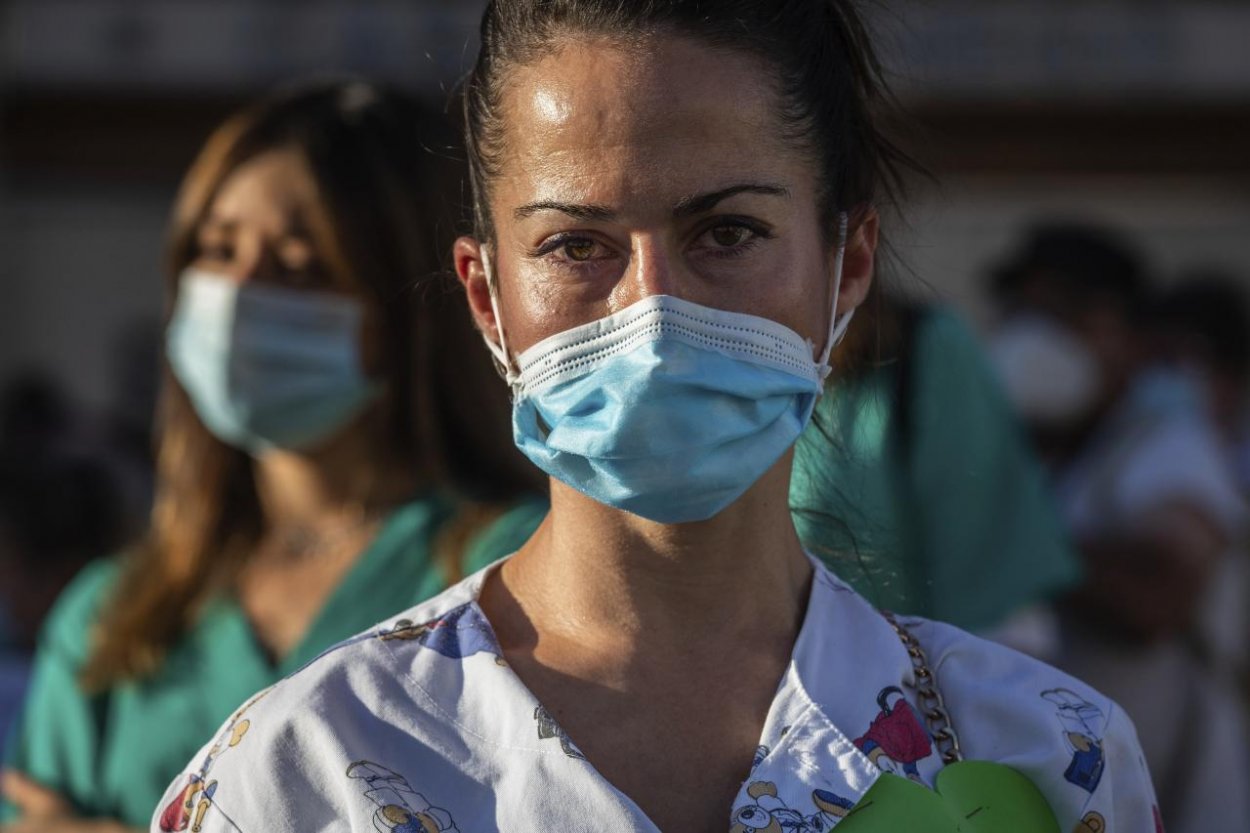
[654,269]
[255,258]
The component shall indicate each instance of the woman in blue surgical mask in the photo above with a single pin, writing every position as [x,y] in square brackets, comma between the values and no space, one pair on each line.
[332,445]
[675,222]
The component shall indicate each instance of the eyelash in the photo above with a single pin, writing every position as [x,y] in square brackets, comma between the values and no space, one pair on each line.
[559,242]
[758,232]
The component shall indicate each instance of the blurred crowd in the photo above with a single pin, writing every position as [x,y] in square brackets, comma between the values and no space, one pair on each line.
[1133,392]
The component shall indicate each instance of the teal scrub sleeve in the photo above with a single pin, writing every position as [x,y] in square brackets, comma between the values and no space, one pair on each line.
[505,535]
[990,537]
[57,738]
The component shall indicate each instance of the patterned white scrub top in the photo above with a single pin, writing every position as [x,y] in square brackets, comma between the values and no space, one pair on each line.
[419,726]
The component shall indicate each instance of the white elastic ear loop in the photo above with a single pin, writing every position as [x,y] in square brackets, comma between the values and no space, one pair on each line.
[500,350]
[837,329]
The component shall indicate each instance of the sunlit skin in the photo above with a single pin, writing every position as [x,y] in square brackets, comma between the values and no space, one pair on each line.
[267,225]
[628,172]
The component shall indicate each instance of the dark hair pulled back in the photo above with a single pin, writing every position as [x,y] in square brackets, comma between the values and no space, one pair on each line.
[829,79]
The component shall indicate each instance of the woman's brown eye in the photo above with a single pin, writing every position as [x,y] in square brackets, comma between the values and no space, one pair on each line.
[730,236]
[579,250]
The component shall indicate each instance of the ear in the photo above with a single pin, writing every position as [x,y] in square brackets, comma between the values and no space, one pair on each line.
[860,261]
[467,255]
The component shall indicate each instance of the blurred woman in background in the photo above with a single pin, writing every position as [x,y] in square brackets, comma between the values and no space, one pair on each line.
[322,431]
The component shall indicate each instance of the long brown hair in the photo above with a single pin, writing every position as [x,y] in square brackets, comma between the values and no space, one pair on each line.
[389,202]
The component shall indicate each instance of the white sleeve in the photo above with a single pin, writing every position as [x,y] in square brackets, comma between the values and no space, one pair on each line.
[1125,799]
[1182,462]
[206,798]
[188,802]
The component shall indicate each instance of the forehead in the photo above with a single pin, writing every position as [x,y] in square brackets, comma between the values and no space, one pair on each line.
[274,188]
[596,115]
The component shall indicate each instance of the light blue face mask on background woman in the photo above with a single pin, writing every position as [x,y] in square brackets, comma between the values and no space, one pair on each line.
[668,409]
[265,366]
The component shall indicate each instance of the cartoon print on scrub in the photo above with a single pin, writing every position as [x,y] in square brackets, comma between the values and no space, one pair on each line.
[764,750]
[400,808]
[548,728]
[459,634]
[191,805]
[896,740]
[761,753]
[769,814]
[1091,822]
[1080,720]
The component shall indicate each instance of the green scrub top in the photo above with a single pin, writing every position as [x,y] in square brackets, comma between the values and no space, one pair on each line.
[113,754]
[942,512]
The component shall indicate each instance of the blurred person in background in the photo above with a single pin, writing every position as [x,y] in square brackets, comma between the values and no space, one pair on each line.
[328,452]
[917,484]
[1148,495]
[58,511]
[35,417]
[1201,330]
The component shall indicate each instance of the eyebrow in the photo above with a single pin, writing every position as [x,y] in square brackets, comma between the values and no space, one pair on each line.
[214,223]
[577,211]
[685,207]
[701,203]
[298,227]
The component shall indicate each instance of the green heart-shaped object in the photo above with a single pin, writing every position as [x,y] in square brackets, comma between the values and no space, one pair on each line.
[971,797]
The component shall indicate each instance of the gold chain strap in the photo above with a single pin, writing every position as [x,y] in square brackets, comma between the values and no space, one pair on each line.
[933,708]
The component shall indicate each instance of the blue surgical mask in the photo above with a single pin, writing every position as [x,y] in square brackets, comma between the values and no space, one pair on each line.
[268,367]
[668,409]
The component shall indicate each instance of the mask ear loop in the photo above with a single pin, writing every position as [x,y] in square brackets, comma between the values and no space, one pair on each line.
[837,329]
[503,361]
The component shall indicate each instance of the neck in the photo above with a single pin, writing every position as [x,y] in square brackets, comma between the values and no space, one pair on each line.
[618,574]
[344,474]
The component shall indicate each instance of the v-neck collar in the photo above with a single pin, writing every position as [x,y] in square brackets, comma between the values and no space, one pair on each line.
[386,577]
[844,657]
[393,571]
[814,763]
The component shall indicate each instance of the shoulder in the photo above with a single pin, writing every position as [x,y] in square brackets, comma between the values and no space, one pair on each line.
[976,669]
[1072,741]
[955,367]
[311,733]
[68,626]
[943,334]
[365,667]
[937,324]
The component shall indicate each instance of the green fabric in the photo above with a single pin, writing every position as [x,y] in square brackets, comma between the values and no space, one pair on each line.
[957,527]
[505,535]
[970,797]
[112,755]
